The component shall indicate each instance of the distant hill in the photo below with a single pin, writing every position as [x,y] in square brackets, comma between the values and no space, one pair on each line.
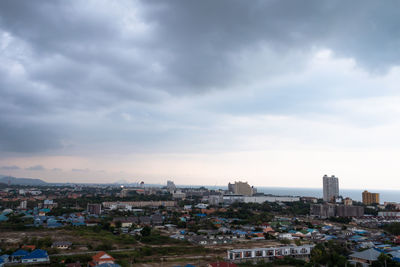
[21,181]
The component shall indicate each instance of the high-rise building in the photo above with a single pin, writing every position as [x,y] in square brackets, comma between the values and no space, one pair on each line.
[370,198]
[330,187]
[241,188]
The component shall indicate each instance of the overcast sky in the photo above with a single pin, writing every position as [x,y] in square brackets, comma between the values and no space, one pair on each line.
[276,93]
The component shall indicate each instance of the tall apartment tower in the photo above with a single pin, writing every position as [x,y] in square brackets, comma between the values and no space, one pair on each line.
[370,198]
[331,187]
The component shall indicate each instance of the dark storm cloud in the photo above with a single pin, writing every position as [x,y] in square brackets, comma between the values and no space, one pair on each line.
[68,65]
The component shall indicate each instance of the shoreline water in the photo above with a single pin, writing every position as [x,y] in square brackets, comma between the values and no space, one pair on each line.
[355,194]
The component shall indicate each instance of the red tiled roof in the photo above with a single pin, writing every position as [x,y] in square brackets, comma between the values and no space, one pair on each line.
[102,256]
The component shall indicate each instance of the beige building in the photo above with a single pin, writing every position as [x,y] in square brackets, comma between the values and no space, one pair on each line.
[370,198]
[348,201]
[241,188]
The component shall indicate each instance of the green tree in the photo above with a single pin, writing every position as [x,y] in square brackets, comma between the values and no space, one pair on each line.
[146,231]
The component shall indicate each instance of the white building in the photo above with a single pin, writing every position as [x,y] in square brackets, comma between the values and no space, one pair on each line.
[228,199]
[23,204]
[271,252]
[178,194]
[330,187]
[262,199]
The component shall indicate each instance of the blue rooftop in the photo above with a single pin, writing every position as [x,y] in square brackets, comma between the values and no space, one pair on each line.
[3,218]
[19,253]
[36,254]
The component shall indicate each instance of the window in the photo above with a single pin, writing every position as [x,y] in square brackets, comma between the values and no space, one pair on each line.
[247,254]
[259,253]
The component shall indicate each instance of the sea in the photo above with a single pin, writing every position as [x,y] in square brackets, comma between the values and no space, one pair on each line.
[355,194]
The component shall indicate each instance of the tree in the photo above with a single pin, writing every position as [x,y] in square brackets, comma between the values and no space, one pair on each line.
[146,231]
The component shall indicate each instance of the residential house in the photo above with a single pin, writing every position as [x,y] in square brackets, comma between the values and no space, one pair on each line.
[62,245]
[101,258]
[17,255]
[365,258]
[36,256]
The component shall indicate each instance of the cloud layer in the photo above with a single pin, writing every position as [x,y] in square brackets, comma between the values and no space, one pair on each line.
[133,80]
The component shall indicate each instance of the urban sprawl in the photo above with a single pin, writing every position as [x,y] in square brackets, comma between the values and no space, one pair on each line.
[124,225]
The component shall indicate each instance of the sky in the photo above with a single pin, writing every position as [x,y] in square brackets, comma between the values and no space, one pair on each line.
[276,93]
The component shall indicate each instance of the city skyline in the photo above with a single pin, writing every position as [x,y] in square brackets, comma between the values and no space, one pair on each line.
[270,92]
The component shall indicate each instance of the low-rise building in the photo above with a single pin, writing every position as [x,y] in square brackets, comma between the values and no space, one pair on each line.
[61,244]
[36,256]
[101,258]
[271,252]
[333,210]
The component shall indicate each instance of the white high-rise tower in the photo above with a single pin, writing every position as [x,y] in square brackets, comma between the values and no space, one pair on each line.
[331,187]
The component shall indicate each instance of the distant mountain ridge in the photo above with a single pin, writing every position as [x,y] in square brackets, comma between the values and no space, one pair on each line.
[21,181]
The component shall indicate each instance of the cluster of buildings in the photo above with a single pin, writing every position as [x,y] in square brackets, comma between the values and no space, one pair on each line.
[335,206]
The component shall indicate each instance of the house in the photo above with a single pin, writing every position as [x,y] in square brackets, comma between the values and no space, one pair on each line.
[17,255]
[365,258]
[61,244]
[200,240]
[4,258]
[38,255]
[287,236]
[126,222]
[100,259]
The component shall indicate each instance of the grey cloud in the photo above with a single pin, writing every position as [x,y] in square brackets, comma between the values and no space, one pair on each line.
[23,135]
[81,65]
[36,168]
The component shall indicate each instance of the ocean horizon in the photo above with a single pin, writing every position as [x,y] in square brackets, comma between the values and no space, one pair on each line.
[355,194]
